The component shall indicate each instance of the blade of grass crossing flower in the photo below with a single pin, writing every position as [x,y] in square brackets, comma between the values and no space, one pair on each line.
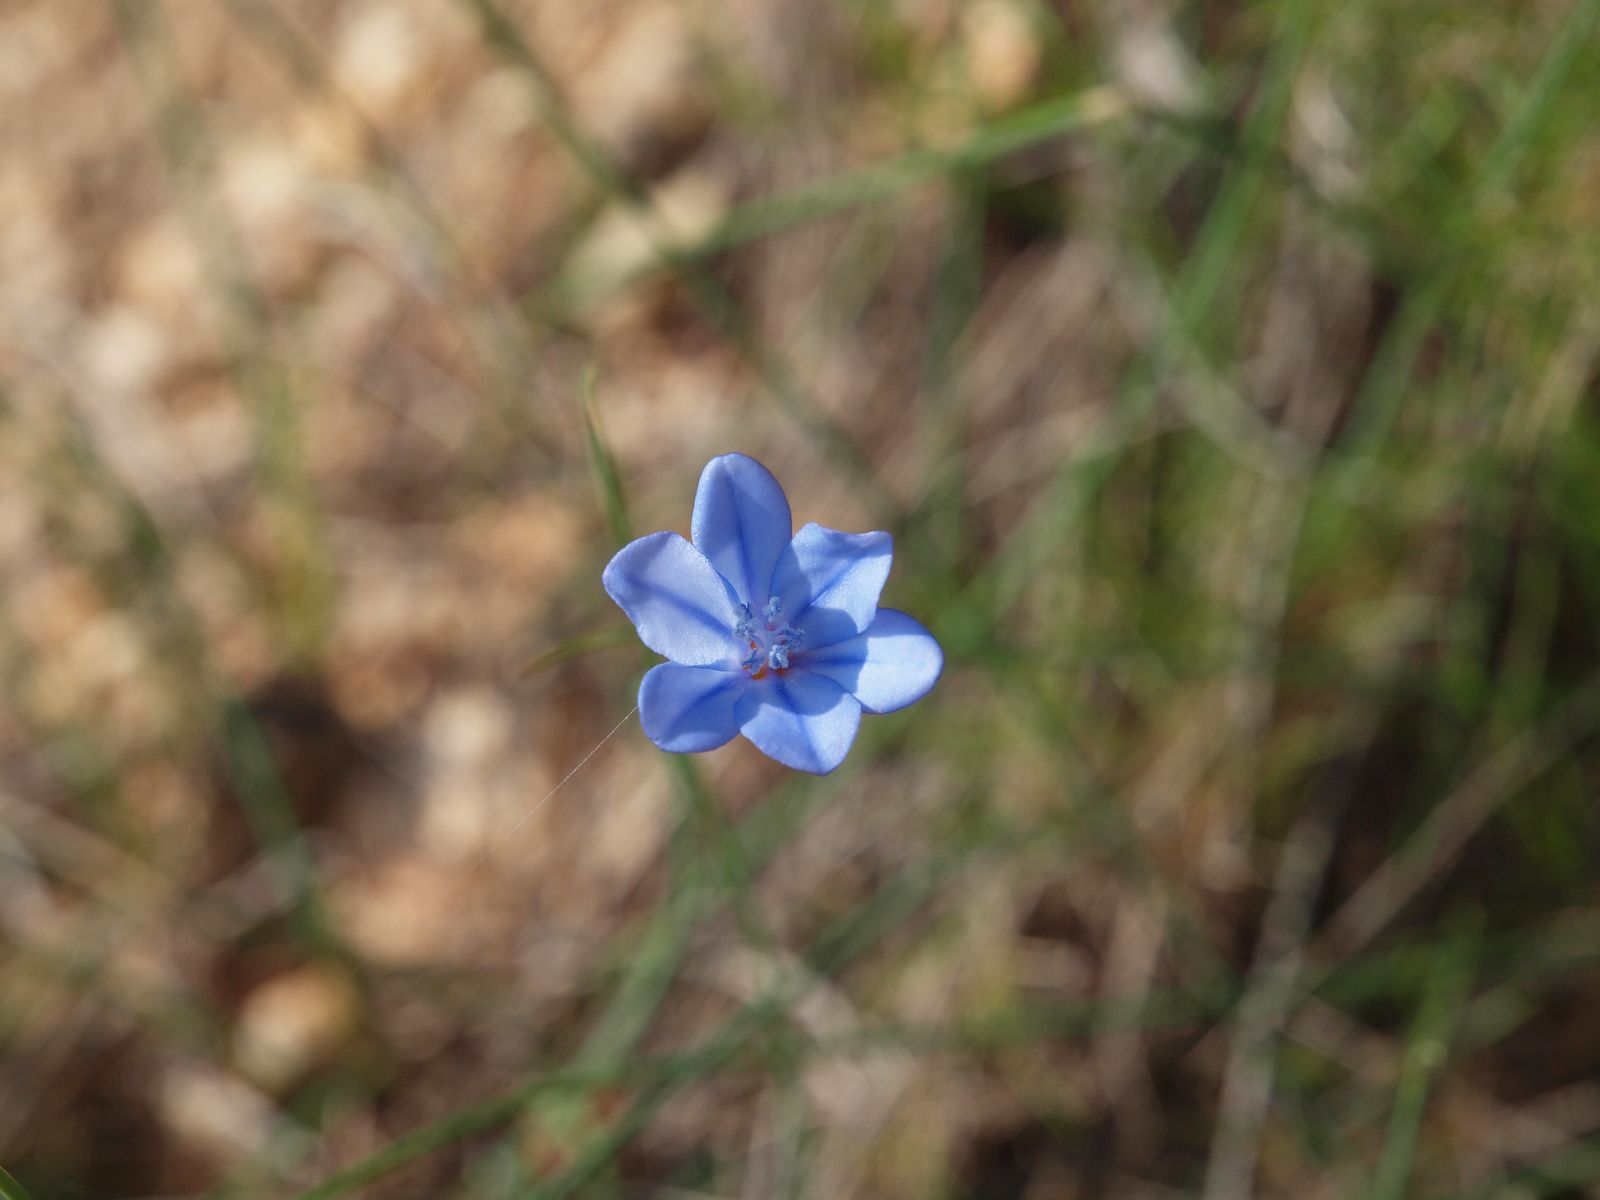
[654,965]
[701,805]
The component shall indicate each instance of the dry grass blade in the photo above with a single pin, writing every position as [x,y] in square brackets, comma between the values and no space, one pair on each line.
[1432,849]
[1265,1009]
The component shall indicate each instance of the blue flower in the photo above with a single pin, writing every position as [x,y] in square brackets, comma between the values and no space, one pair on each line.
[774,636]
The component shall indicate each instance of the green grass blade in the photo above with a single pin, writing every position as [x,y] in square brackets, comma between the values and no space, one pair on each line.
[603,466]
[883,181]
[577,646]
[10,1189]
[715,303]
[1386,974]
[1427,1051]
[1569,1171]
[249,762]
[1384,388]
[304,608]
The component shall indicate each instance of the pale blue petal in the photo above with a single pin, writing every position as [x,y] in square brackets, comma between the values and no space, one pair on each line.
[674,598]
[893,664]
[802,720]
[688,709]
[829,582]
[741,523]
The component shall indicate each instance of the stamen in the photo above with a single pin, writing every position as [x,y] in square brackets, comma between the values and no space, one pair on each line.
[771,642]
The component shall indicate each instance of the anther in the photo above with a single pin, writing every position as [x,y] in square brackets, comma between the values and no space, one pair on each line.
[766,644]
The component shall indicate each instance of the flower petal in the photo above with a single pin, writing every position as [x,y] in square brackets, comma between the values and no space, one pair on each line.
[893,664]
[802,720]
[675,599]
[829,582]
[741,523]
[688,709]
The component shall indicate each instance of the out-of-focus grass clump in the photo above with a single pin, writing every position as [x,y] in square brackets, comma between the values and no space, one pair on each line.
[1227,375]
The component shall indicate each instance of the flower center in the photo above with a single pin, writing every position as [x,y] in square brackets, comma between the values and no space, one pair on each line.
[767,641]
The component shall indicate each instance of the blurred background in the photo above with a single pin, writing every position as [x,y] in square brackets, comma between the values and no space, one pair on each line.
[1227,374]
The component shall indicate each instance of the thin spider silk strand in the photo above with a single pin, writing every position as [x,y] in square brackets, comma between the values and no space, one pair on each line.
[545,799]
